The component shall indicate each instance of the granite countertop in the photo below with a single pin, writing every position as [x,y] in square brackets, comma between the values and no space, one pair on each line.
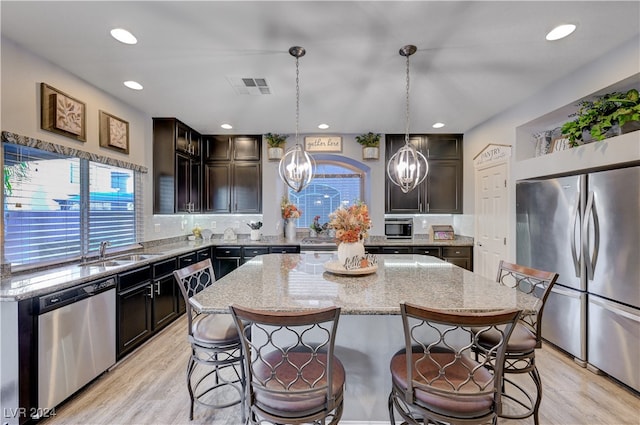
[290,282]
[26,285]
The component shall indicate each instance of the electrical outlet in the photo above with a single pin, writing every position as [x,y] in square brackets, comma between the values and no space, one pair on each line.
[236,224]
[214,225]
[156,227]
[425,225]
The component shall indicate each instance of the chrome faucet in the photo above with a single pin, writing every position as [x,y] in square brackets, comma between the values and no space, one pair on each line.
[103,248]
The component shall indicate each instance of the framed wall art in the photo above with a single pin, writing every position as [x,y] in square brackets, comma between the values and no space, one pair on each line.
[62,114]
[114,132]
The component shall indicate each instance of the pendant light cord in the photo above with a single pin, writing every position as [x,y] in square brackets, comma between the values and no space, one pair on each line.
[297,98]
[406,129]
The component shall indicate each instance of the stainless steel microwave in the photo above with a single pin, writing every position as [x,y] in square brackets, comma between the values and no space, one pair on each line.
[398,228]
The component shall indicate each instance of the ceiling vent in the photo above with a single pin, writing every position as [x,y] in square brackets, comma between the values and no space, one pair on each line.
[250,86]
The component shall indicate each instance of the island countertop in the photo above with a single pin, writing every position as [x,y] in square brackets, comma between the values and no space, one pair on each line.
[288,282]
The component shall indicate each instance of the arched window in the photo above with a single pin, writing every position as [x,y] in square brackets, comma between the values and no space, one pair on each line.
[335,183]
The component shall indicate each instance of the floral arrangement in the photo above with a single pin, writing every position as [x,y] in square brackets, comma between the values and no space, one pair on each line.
[352,224]
[317,227]
[289,210]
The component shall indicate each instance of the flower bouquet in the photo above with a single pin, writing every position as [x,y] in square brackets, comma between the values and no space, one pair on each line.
[317,227]
[351,224]
[289,210]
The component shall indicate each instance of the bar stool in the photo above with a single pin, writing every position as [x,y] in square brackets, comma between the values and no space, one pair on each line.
[292,374]
[215,344]
[526,338]
[440,380]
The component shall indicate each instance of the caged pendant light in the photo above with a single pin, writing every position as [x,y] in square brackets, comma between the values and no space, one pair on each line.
[296,167]
[408,167]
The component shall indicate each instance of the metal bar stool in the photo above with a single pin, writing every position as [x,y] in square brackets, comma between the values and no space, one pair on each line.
[292,374]
[526,338]
[215,344]
[440,380]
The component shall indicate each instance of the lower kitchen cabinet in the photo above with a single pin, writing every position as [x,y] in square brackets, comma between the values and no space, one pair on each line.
[285,249]
[166,294]
[134,309]
[226,259]
[248,252]
[148,299]
[396,250]
[459,255]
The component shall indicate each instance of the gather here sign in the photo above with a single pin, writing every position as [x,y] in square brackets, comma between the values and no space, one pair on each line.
[323,144]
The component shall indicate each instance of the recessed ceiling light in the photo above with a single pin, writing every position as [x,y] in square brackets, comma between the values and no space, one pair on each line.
[323,126]
[561,31]
[123,36]
[226,126]
[133,85]
[438,125]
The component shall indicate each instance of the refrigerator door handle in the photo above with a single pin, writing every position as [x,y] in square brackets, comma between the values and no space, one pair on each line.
[574,250]
[590,259]
[615,310]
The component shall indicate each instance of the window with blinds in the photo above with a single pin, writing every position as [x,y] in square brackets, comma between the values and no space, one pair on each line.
[58,207]
[334,184]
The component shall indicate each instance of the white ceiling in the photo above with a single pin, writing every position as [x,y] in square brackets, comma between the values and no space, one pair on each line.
[474,60]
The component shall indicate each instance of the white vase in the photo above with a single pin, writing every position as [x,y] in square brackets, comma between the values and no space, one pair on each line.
[290,230]
[348,250]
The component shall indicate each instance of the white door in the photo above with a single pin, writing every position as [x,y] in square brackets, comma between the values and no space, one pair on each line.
[491,219]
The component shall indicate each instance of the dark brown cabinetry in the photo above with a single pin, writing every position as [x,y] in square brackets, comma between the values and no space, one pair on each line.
[459,255]
[248,252]
[165,293]
[134,309]
[441,192]
[232,174]
[177,167]
[226,259]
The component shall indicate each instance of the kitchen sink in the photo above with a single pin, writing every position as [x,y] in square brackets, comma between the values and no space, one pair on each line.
[134,257]
[103,264]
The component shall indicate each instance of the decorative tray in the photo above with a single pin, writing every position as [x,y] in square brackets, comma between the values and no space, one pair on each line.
[337,268]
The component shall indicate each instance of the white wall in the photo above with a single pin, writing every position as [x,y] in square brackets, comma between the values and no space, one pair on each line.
[22,72]
[619,64]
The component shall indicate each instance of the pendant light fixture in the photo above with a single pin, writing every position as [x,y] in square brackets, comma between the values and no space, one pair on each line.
[408,167]
[296,166]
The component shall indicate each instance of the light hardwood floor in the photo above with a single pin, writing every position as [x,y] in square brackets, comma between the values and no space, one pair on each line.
[148,387]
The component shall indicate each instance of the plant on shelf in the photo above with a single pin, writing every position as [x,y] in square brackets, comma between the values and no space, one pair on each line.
[369,140]
[276,140]
[597,117]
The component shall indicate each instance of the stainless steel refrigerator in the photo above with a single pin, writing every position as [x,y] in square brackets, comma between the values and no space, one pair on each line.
[587,229]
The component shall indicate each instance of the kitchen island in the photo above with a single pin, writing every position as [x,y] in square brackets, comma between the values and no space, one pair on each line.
[370,328]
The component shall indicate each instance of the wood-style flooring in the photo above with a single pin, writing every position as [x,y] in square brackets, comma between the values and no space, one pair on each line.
[148,387]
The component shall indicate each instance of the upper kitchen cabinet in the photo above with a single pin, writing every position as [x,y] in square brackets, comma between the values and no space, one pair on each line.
[441,192]
[232,174]
[177,169]
[232,148]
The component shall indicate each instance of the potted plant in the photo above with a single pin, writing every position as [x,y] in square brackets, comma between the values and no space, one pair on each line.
[276,144]
[606,116]
[370,145]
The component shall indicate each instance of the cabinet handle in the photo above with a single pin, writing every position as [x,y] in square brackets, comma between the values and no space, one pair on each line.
[150,295]
[187,260]
[157,288]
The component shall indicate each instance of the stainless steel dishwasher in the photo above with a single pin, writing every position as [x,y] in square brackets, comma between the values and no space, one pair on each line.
[76,339]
